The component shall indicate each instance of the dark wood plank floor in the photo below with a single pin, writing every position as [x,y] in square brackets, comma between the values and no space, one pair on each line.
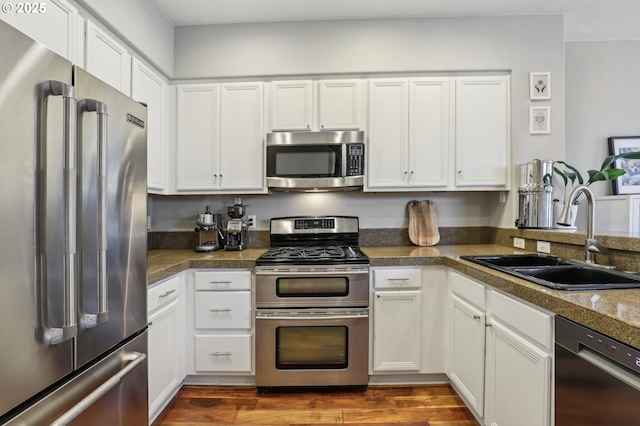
[233,405]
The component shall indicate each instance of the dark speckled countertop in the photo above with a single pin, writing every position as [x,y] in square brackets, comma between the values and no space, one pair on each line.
[615,313]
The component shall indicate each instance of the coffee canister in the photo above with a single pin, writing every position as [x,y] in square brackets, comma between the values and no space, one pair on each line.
[535,195]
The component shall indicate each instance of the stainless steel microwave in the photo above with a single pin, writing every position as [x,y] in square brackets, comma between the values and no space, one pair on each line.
[315,161]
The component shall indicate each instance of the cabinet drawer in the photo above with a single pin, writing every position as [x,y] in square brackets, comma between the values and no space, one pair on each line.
[396,278]
[468,289]
[223,309]
[225,280]
[223,353]
[162,293]
[532,323]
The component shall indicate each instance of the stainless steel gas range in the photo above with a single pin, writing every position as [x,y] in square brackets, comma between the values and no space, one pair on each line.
[312,304]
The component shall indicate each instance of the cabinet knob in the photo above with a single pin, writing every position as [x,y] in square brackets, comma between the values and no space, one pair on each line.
[459,171]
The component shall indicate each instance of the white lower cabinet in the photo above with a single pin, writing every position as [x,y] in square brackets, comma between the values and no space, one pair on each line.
[407,313]
[165,302]
[221,315]
[500,354]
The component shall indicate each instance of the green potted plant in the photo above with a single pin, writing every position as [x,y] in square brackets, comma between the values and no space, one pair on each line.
[571,176]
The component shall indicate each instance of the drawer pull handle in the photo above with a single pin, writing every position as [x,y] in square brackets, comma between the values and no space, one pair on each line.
[476,317]
[398,279]
[221,310]
[220,282]
[163,295]
[221,354]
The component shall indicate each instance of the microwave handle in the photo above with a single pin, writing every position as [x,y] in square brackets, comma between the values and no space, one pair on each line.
[344,160]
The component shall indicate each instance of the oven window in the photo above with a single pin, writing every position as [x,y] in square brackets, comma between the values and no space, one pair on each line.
[304,161]
[315,347]
[312,287]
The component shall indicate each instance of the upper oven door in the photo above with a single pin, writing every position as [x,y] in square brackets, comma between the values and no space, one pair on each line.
[308,287]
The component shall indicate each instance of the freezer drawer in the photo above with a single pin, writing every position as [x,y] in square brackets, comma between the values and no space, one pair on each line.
[112,392]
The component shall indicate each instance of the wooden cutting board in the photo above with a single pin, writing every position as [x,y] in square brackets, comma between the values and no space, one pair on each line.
[423,223]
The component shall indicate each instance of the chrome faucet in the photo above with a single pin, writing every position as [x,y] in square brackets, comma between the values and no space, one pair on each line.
[591,245]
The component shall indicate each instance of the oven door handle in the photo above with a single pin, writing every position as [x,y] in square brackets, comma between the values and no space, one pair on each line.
[311,316]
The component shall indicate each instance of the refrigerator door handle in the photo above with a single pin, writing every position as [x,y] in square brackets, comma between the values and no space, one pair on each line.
[134,358]
[88,320]
[45,333]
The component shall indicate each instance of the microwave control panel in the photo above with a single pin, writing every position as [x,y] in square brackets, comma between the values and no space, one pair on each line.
[355,160]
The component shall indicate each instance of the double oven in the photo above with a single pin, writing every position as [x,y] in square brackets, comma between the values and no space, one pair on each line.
[312,304]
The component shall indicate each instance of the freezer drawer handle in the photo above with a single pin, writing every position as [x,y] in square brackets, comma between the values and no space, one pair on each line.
[45,333]
[89,320]
[134,358]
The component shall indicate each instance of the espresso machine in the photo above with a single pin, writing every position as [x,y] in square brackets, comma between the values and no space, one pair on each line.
[236,227]
[535,195]
[209,235]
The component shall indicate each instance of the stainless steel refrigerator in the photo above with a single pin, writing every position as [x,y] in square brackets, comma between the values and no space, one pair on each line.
[73,268]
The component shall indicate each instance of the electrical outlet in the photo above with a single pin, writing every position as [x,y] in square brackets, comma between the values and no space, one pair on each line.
[518,242]
[253,221]
[544,246]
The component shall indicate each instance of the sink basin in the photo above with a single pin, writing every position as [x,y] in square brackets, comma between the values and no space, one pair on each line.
[557,273]
[578,278]
[514,260]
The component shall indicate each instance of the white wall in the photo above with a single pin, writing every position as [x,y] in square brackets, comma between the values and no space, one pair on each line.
[519,44]
[142,25]
[603,100]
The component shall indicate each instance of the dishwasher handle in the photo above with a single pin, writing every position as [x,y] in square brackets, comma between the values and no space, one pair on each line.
[610,367]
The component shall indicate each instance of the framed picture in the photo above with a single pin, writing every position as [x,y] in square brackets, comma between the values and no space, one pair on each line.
[539,85]
[539,120]
[629,183]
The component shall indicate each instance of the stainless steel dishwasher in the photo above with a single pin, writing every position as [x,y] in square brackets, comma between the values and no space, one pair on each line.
[597,379]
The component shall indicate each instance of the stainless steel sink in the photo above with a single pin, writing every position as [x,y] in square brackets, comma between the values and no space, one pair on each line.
[558,273]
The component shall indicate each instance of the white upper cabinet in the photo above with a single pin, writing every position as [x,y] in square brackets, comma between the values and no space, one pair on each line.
[301,105]
[409,133]
[291,105]
[438,133]
[241,137]
[198,135]
[482,132]
[51,23]
[220,137]
[149,87]
[341,105]
[107,59]
[387,149]
[429,132]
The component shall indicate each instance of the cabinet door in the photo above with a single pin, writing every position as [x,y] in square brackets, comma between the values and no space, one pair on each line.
[149,87]
[482,132]
[397,331]
[52,23]
[518,384]
[197,137]
[429,130]
[466,351]
[387,151]
[341,105]
[241,137]
[164,356]
[107,59]
[291,105]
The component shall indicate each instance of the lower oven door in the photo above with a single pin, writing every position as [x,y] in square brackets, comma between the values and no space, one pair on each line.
[312,347]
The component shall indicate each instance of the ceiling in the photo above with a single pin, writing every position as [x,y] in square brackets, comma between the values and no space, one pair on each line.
[584,19]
